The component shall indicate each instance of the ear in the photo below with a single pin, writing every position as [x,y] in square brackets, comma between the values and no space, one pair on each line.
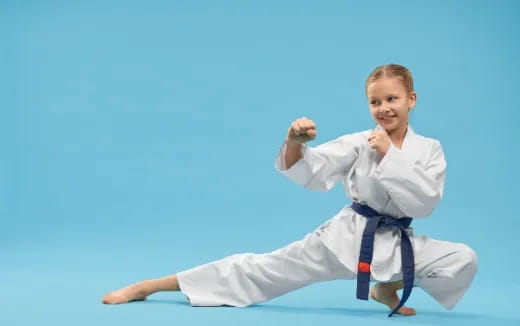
[412,100]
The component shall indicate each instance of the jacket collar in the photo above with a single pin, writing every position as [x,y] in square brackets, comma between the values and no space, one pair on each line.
[410,133]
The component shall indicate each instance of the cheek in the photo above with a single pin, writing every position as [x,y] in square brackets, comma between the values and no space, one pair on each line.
[404,111]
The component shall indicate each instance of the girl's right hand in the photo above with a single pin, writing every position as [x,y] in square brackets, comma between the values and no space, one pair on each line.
[301,130]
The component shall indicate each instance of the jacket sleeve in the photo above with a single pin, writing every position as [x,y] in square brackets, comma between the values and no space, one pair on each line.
[416,189]
[321,167]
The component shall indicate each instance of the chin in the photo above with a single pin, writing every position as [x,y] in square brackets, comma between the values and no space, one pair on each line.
[392,125]
[389,127]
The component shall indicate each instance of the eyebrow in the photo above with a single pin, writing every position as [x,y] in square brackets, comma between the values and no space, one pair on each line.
[375,98]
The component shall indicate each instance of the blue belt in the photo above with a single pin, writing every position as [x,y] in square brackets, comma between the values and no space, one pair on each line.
[375,221]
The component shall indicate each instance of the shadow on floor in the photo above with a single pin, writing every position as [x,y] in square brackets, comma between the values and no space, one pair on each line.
[422,317]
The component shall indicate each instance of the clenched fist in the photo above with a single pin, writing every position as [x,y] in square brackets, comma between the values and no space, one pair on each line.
[301,131]
[379,141]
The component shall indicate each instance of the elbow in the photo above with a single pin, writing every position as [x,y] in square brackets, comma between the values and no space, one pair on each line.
[421,212]
[422,207]
[318,186]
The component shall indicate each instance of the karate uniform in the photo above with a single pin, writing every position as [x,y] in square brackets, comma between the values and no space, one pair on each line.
[405,182]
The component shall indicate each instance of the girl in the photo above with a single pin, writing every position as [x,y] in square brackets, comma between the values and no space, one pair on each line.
[391,174]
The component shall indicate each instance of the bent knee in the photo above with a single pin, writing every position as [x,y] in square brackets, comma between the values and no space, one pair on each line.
[468,256]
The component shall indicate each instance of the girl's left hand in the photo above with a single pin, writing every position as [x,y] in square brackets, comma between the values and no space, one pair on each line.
[379,141]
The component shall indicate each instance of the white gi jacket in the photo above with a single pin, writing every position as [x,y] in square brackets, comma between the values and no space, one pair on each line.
[405,182]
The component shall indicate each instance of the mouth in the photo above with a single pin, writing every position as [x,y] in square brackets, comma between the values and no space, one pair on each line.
[387,118]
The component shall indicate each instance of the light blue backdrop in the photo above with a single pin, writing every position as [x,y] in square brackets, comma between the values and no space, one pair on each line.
[138,140]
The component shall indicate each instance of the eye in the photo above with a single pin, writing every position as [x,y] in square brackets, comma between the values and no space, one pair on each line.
[392,97]
[374,102]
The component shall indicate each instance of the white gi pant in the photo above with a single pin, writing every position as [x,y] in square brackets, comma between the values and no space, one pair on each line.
[443,269]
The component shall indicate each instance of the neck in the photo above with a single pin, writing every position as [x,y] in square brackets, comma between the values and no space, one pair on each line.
[397,135]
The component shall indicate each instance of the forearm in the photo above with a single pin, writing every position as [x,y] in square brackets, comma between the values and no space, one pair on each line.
[293,153]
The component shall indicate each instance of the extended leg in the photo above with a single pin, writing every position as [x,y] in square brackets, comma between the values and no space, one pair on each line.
[244,279]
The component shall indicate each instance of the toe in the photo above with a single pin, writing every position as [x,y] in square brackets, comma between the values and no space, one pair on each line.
[106,299]
[113,298]
[407,311]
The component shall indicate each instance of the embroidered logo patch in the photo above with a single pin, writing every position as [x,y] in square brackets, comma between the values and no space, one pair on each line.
[322,228]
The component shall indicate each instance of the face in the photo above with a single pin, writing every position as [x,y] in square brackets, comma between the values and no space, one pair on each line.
[390,102]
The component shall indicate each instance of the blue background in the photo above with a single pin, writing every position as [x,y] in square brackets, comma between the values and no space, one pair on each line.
[138,139]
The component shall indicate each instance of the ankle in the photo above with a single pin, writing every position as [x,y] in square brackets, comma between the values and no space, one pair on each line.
[146,287]
[168,283]
[390,286]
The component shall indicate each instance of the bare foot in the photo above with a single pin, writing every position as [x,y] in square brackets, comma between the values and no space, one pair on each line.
[388,295]
[133,292]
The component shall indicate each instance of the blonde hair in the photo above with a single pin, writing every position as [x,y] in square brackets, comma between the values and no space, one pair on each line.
[392,70]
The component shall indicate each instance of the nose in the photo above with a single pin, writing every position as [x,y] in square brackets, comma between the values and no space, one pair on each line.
[385,110]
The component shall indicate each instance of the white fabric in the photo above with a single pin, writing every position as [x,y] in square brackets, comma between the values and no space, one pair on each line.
[405,182]
[244,279]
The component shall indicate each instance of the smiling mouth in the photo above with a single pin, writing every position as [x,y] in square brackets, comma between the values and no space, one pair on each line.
[386,118]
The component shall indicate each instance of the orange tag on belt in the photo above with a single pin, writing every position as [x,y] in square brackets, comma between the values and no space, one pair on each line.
[363,267]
